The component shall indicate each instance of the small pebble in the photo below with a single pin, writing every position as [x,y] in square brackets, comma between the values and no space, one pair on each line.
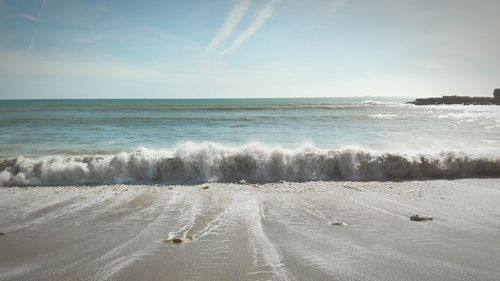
[178,239]
[420,218]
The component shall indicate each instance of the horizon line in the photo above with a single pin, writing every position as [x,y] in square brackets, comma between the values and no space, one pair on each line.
[216,98]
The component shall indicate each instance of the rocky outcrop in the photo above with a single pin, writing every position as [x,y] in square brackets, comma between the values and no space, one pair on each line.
[461,100]
[454,100]
[496,96]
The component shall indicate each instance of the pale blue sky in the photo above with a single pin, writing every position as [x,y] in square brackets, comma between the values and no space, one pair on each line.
[248,48]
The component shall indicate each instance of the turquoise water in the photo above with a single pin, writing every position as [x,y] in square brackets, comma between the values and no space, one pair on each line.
[64,129]
[45,127]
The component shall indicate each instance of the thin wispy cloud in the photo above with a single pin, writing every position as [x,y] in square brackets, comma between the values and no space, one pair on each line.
[32,41]
[337,4]
[31,18]
[41,8]
[38,16]
[231,21]
[260,20]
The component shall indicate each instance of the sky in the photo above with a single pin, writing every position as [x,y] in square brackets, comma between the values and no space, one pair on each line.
[248,48]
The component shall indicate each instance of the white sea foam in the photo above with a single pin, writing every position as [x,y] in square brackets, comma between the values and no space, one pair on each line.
[386,103]
[383,116]
[210,162]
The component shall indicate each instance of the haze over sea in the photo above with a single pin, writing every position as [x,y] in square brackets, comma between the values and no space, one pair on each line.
[261,140]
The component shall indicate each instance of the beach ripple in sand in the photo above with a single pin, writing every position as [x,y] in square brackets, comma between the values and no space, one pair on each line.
[282,231]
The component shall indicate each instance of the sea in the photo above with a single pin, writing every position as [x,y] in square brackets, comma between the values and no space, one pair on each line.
[188,141]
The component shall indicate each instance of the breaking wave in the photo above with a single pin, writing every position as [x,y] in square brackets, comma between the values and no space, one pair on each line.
[208,162]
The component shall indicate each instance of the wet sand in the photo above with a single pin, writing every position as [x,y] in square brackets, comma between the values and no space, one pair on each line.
[283,231]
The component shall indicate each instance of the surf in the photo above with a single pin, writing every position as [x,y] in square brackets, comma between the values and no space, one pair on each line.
[192,163]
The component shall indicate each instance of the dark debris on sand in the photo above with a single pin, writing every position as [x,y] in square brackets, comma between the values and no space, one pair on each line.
[339,223]
[420,218]
[179,239]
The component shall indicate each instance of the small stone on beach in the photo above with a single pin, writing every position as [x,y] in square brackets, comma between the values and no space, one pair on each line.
[339,223]
[179,239]
[420,218]
[175,240]
[2,233]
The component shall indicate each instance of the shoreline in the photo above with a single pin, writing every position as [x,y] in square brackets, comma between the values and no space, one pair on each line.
[278,231]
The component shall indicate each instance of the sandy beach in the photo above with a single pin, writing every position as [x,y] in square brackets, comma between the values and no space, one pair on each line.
[282,231]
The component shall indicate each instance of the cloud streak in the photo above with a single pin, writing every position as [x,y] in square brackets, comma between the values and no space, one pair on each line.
[336,5]
[37,19]
[39,15]
[32,41]
[41,8]
[260,20]
[30,18]
[231,21]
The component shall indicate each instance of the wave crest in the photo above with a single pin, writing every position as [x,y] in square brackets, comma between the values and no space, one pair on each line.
[208,162]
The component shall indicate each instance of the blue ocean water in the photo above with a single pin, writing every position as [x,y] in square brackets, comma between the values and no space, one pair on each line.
[40,131]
